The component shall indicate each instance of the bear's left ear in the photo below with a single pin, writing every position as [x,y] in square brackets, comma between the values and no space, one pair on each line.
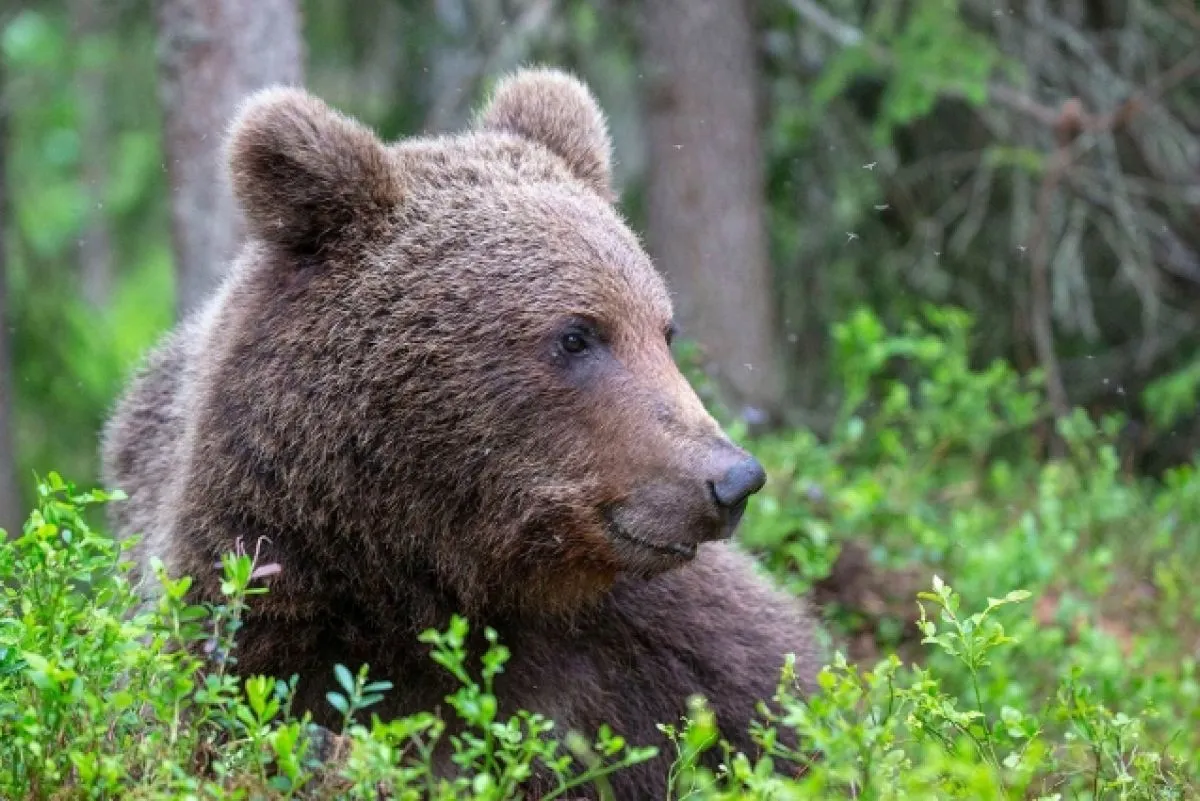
[556,110]
[304,174]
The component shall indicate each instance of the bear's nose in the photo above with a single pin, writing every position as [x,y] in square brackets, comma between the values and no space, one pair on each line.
[740,482]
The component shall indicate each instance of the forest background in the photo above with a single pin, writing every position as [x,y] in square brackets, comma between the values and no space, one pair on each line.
[938,259]
[1035,164]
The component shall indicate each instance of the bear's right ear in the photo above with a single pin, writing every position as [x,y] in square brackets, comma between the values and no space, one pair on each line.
[304,174]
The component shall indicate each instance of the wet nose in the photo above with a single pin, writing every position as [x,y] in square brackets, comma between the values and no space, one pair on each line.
[740,482]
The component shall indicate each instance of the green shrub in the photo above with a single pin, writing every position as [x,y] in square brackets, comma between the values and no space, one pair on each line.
[101,697]
[1081,683]
[933,464]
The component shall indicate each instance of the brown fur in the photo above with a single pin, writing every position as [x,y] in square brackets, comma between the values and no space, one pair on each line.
[379,389]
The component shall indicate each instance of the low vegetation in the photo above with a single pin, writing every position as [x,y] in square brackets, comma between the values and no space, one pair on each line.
[1001,626]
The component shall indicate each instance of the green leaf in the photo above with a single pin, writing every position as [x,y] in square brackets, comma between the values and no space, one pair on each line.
[345,678]
[338,702]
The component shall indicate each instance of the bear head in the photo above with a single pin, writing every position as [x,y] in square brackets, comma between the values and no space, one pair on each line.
[451,357]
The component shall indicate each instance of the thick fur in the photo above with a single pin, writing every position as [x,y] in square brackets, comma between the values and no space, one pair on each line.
[378,390]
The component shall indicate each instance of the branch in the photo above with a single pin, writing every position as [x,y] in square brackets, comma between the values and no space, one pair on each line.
[840,32]
[1004,95]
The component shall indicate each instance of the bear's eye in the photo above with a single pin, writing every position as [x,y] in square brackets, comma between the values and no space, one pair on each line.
[573,342]
[670,334]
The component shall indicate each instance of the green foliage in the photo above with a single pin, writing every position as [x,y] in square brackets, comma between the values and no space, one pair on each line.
[931,466]
[70,356]
[1172,397]
[895,732]
[1060,689]
[102,696]
[926,52]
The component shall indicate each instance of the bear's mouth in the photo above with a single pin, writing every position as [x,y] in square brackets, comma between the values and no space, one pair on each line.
[683,550]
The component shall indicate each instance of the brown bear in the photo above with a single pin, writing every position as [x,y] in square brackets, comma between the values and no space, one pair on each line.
[438,379]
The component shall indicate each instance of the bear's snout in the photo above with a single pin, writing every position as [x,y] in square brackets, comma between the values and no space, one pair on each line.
[733,490]
[670,514]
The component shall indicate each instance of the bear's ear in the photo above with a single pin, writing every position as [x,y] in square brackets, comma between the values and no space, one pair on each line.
[304,174]
[556,110]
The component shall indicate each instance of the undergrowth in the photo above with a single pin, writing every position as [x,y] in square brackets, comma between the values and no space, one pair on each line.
[1050,652]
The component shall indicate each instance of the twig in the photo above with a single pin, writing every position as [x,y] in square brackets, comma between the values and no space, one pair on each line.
[1186,13]
[1039,289]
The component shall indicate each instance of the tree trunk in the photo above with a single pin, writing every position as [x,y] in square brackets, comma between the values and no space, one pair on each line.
[705,191]
[212,54]
[95,242]
[10,497]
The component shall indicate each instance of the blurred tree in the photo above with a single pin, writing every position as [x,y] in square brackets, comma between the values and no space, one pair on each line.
[90,22]
[1039,168]
[212,54]
[10,508]
[477,41]
[706,220]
